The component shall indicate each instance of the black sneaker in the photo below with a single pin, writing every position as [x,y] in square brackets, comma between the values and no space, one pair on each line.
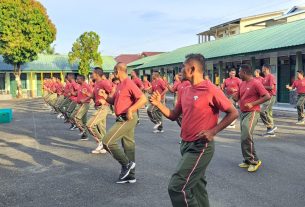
[271,130]
[126,170]
[128,179]
[138,122]
[84,137]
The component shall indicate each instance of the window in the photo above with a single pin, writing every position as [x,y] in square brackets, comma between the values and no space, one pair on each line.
[23,79]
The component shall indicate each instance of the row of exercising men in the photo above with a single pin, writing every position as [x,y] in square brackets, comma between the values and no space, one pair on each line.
[199,103]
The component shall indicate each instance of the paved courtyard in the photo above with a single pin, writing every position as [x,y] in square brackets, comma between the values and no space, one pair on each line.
[42,163]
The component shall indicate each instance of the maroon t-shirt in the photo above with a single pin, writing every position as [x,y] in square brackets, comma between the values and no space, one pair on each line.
[127,93]
[159,85]
[146,84]
[73,88]
[259,78]
[299,85]
[138,82]
[104,85]
[231,85]
[269,80]
[250,91]
[200,105]
[82,92]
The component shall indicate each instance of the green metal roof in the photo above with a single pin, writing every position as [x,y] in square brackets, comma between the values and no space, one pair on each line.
[271,38]
[55,63]
[144,60]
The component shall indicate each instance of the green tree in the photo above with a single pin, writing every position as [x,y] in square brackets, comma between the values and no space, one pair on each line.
[25,31]
[50,50]
[85,52]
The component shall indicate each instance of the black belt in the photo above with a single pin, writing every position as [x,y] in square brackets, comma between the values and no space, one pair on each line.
[121,118]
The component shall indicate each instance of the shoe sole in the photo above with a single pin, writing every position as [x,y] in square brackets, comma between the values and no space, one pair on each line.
[131,168]
[258,166]
[156,126]
[243,166]
[127,181]
[84,139]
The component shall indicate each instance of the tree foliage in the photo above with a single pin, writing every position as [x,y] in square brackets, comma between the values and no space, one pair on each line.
[25,31]
[85,52]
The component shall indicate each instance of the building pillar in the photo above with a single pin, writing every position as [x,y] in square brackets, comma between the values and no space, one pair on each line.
[299,62]
[41,79]
[198,39]
[31,84]
[220,72]
[253,64]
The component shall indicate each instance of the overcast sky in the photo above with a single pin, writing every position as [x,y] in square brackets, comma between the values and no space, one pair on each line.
[137,25]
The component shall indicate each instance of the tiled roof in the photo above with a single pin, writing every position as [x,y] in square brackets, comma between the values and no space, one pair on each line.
[269,39]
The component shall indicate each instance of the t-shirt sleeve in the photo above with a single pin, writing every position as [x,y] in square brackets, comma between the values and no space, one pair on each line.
[219,99]
[162,84]
[134,90]
[294,85]
[261,90]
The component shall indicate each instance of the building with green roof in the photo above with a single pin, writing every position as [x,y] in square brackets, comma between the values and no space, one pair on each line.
[33,73]
[282,46]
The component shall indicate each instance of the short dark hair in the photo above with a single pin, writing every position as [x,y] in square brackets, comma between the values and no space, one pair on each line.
[115,79]
[81,77]
[199,58]
[301,72]
[247,69]
[267,66]
[232,70]
[99,71]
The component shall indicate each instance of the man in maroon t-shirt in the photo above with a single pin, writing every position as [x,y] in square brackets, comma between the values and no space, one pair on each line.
[266,113]
[200,105]
[257,75]
[72,94]
[299,85]
[231,86]
[250,95]
[153,112]
[97,123]
[127,99]
[79,115]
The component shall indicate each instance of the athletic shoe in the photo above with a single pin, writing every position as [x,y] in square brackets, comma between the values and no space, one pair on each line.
[157,125]
[138,122]
[271,130]
[126,170]
[243,165]
[269,135]
[254,168]
[81,133]
[73,127]
[62,116]
[301,122]
[231,126]
[99,149]
[84,137]
[58,116]
[128,179]
[158,131]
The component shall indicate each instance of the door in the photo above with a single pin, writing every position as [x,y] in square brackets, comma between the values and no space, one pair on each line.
[283,80]
[13,85]
[39,85]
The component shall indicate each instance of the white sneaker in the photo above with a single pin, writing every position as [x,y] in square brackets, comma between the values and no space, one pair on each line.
[301,122]
[62,116]
[100,149]
[59,116]
[157,125]
[231,126]
[158,131]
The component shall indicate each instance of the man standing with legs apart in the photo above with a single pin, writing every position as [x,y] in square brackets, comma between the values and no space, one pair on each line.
[79,115]
[127,99]
[153,112]
[250,95]
[266,108]
[300,86]
[200,105]
[231,86]
[97,123]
